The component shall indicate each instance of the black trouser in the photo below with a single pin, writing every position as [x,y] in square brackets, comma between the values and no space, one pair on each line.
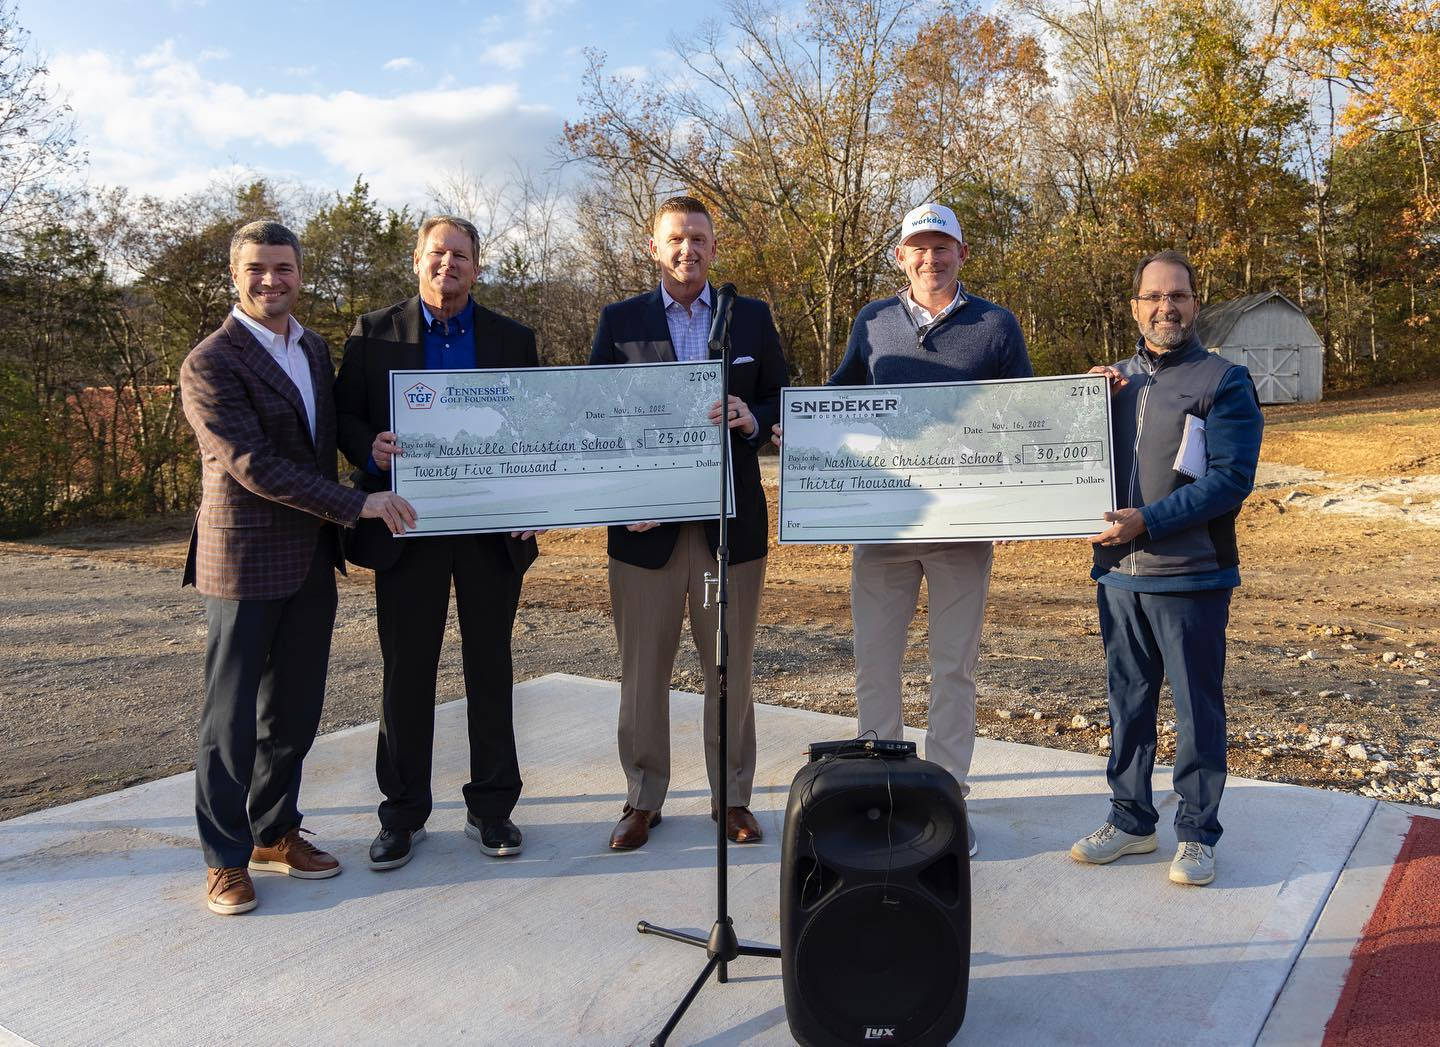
[411,602]
[265,665]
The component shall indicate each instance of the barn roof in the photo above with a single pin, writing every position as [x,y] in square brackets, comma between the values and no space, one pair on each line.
[1214,322]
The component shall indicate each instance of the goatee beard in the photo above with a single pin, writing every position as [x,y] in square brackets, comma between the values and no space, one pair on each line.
[1168,338]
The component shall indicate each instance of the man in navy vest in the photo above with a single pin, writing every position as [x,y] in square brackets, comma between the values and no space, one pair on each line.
[1186,438]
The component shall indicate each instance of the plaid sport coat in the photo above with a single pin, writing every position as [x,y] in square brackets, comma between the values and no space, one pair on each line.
[268,489]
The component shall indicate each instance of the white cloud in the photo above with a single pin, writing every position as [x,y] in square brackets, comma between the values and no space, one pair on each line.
[542,10]
[156,124]
[395,65]
[510,54]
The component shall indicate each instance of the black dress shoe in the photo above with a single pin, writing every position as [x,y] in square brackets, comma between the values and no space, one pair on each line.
[498,836]
[393,848]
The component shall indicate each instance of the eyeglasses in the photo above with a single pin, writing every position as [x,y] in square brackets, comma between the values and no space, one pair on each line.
[1174,298]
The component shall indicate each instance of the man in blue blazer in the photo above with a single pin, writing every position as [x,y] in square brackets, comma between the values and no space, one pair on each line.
[656,568]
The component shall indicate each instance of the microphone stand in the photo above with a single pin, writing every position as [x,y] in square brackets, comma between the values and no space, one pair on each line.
[722,946]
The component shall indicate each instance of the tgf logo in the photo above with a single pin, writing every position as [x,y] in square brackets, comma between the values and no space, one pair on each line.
[420,397]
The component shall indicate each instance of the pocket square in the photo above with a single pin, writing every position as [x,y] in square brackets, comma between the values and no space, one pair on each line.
[742,360]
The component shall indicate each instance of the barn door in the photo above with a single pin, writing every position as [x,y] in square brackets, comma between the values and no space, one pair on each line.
[1276,370]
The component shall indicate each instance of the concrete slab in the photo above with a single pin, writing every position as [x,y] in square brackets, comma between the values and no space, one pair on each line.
[108,941]
[1299,1016]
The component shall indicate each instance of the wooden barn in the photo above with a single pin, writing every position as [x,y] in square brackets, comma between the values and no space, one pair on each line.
[1273,337]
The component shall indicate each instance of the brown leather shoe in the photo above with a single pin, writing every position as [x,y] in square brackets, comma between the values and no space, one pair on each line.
[740,825]
[633,829]
[294,855]
[229,890]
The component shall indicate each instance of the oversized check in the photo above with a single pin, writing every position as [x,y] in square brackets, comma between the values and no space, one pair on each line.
[1018,458]
[541,447]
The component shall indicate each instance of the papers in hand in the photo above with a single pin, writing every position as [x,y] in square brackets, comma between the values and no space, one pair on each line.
[1190,459]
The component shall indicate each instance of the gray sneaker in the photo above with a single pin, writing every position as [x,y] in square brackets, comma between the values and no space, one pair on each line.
[1107,843]
[1193,864]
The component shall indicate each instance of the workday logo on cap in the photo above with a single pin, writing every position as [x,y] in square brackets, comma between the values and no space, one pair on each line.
[931,218]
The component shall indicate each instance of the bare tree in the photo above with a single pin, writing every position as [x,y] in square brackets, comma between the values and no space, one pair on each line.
[37,132]
[780,127]
[487,204]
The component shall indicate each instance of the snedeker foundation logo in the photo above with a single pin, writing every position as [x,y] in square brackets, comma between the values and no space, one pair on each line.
[846,406]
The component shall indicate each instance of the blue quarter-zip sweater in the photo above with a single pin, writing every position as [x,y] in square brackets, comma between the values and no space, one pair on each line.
[974,341]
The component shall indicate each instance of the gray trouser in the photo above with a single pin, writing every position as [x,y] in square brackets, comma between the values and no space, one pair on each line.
[884,588]
[649,607]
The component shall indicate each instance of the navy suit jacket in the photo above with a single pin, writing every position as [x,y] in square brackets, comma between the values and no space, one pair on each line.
[635,331]
[389,339]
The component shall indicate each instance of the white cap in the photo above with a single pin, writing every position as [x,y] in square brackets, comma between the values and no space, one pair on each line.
[931,218]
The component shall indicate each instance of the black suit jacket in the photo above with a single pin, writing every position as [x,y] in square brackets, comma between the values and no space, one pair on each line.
[635,331]
[390,339]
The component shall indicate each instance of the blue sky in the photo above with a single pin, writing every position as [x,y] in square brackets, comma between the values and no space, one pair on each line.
[173,94]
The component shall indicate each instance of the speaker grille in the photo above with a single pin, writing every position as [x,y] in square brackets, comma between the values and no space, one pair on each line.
[882,956]
[875,828]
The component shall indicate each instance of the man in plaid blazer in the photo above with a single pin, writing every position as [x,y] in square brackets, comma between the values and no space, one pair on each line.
[263,553]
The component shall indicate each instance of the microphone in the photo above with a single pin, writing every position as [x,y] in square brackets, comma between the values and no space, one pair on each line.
[720,317]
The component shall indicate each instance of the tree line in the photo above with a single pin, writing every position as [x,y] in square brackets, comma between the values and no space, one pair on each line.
[1284,144]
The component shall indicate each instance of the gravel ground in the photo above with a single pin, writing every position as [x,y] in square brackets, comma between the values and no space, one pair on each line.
[1333,678]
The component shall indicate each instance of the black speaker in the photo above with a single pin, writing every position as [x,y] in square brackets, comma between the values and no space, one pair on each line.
[875,902]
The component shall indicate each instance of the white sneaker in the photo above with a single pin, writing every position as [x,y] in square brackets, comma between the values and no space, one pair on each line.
[974,844]
[1107,843]
[1193,865]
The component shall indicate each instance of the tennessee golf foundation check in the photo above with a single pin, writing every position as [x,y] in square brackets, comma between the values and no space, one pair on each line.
[955,461]
[542,447]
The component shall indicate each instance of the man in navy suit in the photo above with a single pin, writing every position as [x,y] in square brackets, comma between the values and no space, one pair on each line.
[656,568]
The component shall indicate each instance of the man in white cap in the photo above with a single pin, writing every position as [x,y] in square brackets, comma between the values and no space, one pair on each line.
[931,331]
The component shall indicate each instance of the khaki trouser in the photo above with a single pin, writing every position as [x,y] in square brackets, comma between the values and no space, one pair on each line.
[884,588]
[649,606]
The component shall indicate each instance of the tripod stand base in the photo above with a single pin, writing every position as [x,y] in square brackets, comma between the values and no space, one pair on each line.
[646,927]
[721,947]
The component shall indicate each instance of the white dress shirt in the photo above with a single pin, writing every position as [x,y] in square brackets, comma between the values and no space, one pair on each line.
[922,316]
[286,350]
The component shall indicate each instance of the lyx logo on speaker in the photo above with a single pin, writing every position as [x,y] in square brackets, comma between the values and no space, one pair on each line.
[881,1032]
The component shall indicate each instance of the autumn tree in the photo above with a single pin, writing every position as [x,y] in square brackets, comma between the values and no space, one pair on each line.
[970,111]
[1376,201]
[780,126]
